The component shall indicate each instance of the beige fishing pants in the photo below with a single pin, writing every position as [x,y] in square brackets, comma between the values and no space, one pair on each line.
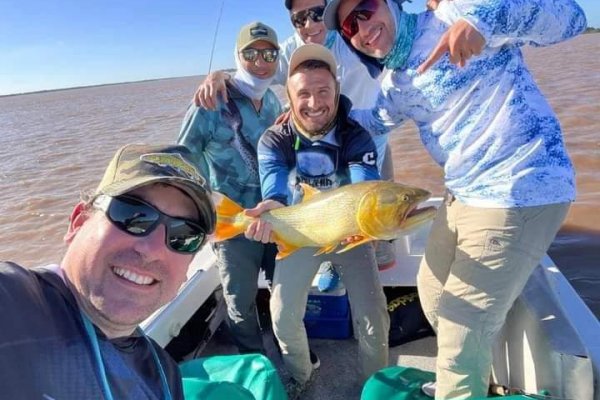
[291,283]
[476,263]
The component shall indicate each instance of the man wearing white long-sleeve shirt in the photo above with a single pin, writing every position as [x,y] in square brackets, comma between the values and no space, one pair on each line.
[508,176]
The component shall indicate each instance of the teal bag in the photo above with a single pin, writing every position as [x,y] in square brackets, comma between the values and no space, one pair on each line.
[231,377]
[199,389]
[403,383]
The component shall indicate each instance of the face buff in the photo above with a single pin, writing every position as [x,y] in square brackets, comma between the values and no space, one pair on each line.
[249,85]
[405,35]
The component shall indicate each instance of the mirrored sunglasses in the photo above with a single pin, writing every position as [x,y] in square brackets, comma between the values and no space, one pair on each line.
[315,14]
[269,55]
[363,12]
[138,218]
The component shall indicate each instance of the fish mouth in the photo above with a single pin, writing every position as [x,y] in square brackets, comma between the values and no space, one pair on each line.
[418,215]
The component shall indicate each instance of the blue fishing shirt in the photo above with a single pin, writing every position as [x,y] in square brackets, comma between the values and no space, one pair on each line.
[223,144]
[347,154]
[487,124]
[355,81]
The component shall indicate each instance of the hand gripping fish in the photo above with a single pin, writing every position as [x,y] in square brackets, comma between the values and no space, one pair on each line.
[374,210]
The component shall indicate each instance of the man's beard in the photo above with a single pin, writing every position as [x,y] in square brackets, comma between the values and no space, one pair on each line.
[318,134]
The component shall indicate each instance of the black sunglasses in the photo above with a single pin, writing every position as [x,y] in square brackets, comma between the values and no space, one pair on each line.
[315,14]
[139,218]
[269,55]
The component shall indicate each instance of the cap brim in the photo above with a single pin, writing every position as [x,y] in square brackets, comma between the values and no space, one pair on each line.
[276,45]
[330,15]
[198,194]
[312,52]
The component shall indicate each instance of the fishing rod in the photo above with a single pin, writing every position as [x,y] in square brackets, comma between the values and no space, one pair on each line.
[212,51]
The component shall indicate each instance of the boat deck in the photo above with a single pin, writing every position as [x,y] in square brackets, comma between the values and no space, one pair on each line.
[338,376]
[550,340]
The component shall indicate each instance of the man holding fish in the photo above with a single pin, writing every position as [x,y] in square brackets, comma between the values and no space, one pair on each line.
[355,82]
[321,147]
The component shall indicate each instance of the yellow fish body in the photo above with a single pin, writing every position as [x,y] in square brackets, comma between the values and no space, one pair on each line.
[374,210]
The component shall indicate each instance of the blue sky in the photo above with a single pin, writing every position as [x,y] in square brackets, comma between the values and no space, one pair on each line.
[65,43]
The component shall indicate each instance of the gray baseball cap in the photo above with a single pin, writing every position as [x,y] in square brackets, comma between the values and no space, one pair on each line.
[255,32]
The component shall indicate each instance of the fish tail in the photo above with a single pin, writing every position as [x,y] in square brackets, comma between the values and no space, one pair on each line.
[231,220]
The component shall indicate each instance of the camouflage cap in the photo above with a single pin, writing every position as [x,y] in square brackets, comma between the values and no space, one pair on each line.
[137,165]
[253,33]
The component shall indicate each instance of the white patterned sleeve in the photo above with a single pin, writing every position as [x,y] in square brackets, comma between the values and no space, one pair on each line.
[387,112]
[535,22]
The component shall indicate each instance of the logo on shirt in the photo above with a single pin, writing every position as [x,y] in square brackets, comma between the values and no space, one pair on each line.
[369,158]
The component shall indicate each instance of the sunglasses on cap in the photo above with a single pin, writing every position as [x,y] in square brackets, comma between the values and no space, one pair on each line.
[269,55]
[363,12]
[314,13]
[138,218]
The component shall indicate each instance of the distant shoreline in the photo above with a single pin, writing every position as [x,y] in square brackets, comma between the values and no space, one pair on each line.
[93,86]
[588,30]
[103,84]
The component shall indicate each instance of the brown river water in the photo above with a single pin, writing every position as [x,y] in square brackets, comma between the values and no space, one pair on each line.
[55,144]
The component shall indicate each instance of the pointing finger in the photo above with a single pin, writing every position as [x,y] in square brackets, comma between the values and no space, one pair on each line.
[441,49]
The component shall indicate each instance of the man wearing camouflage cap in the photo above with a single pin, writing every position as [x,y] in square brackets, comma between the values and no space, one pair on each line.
[69,331]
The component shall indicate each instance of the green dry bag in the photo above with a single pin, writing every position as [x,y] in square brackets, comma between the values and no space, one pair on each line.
[231,377]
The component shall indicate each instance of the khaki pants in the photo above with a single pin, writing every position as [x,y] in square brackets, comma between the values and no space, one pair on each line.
[291,283]
[476,263]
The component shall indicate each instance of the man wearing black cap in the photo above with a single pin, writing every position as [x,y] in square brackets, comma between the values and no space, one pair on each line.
[69,331]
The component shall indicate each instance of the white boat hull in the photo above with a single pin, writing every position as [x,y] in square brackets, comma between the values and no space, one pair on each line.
[550,341]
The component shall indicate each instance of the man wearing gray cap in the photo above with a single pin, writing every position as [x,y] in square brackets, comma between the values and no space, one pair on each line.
[223,145]
[70,331]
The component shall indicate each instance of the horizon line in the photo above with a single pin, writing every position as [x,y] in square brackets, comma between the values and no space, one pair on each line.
[103,84]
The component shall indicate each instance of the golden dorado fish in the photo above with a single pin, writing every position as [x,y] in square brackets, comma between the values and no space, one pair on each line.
[374,210]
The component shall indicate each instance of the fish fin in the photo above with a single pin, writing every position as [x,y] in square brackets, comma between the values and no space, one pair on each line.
[326,249]
[308,191]
[228,217]
[352,245]
[284,248]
